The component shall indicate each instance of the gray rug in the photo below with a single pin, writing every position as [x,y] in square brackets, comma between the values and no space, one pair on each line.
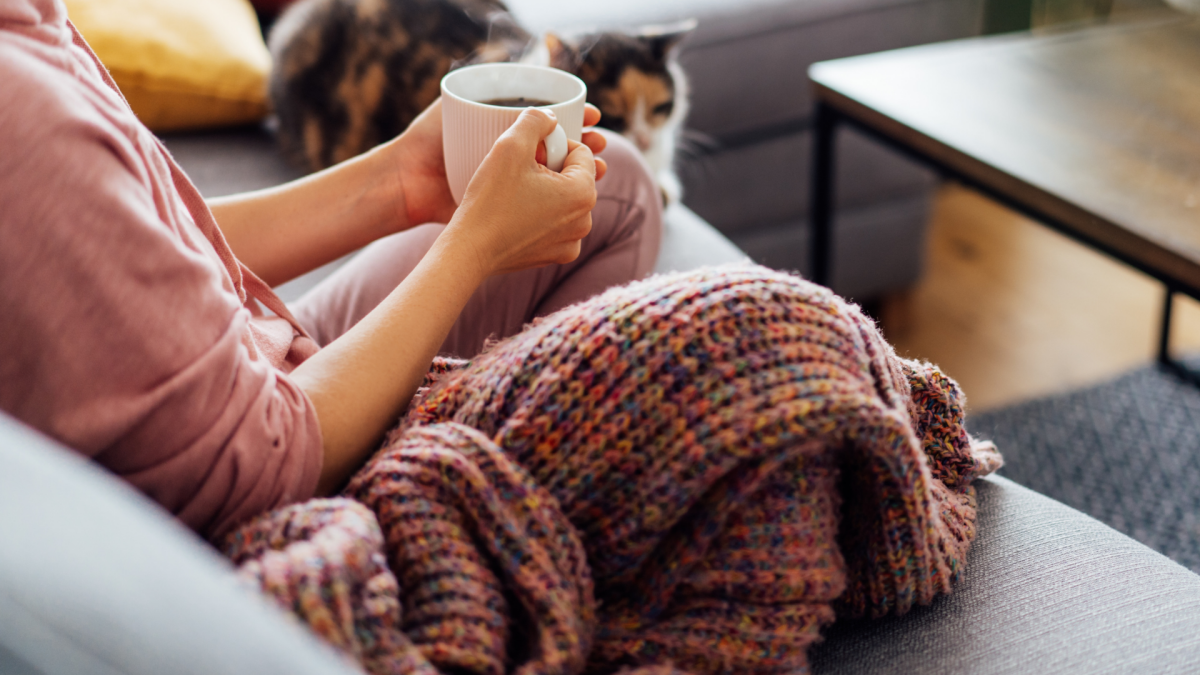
[1127,452]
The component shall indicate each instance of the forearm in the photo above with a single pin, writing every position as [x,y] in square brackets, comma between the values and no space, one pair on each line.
[516,214]
[360,383]
[288,230]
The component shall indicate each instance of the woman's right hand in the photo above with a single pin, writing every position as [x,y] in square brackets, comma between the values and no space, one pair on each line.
[516,213]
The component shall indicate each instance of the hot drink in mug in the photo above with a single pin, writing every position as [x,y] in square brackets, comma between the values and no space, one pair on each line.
[479,103]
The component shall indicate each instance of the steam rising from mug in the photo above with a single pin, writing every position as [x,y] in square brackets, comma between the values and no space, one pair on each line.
[470,127]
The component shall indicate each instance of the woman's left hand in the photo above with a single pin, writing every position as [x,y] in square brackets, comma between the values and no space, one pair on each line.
[595,142]
[421,168]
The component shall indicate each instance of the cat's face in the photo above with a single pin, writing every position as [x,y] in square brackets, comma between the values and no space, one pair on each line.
[631,78]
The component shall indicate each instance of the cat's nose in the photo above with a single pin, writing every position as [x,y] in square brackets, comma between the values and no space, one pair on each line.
[642,140]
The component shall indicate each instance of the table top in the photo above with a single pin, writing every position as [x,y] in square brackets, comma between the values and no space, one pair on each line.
[1097,129]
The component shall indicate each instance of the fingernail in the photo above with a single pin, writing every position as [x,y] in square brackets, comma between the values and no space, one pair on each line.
[550,113]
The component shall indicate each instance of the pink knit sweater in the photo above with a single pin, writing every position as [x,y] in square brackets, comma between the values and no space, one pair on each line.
[128,330]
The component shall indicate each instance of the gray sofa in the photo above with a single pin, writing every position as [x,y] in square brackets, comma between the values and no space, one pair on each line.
[94,578]
[747,63]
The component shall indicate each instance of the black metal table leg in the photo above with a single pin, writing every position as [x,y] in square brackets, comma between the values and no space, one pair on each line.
[821,200]
[1165,359]
[1164,337]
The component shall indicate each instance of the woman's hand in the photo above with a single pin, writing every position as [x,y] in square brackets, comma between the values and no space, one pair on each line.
[285,231]
[595,142]
[420,167]
[516,213]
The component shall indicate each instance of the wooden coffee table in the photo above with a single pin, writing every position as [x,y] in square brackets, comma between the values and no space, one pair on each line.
[1094,133]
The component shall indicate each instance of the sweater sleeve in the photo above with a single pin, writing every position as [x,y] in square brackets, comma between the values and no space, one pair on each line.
[122,336]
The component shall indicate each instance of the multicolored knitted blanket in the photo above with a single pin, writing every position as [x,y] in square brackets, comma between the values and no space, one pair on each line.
[692,473]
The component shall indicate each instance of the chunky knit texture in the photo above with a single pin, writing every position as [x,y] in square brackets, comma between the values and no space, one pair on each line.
[692,473]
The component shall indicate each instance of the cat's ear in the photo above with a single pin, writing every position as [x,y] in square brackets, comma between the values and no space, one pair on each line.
[663,38]
[563,55]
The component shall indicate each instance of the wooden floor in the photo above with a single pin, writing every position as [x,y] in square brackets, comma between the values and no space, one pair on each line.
[1013,311]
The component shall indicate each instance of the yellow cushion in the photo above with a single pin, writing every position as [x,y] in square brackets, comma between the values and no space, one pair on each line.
[182,64]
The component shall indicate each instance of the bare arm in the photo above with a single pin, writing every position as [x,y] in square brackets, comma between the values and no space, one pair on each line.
[516,214]
[285,231]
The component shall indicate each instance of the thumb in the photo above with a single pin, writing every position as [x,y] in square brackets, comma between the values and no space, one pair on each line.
[530,128]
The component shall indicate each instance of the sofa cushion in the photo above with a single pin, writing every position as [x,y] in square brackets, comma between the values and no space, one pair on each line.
[94,578]
[688,242]
[1047,589]
[181,65]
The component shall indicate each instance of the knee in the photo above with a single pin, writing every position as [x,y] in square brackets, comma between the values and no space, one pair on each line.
[630,204]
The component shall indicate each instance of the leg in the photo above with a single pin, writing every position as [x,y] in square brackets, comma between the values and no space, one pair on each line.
[623,246]
[677,419]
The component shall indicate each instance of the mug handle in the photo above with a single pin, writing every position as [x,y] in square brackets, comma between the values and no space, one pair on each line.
[556,149]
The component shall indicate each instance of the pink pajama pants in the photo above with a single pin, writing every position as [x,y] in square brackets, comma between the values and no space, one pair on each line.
[623,246]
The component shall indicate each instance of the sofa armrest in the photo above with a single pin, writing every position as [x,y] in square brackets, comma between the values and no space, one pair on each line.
[95,579]
[1046,589]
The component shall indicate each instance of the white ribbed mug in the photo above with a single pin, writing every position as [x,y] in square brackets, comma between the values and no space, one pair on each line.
[470,128]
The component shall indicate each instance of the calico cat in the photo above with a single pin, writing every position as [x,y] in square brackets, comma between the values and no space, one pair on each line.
[350,74]
[635,81]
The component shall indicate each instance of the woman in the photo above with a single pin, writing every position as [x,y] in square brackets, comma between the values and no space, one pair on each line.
[133,330]
[684,473]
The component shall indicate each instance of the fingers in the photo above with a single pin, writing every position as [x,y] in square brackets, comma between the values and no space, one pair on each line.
[583,227]
[534,124]
[601,165]
[434,110]
[429,122]
[591,115]
[530,128]
[579,159]
[597,142]
[569,249]
[581,168]
[570,252]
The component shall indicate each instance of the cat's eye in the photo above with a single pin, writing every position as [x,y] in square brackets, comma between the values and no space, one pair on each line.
[664,108]
[614,122]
